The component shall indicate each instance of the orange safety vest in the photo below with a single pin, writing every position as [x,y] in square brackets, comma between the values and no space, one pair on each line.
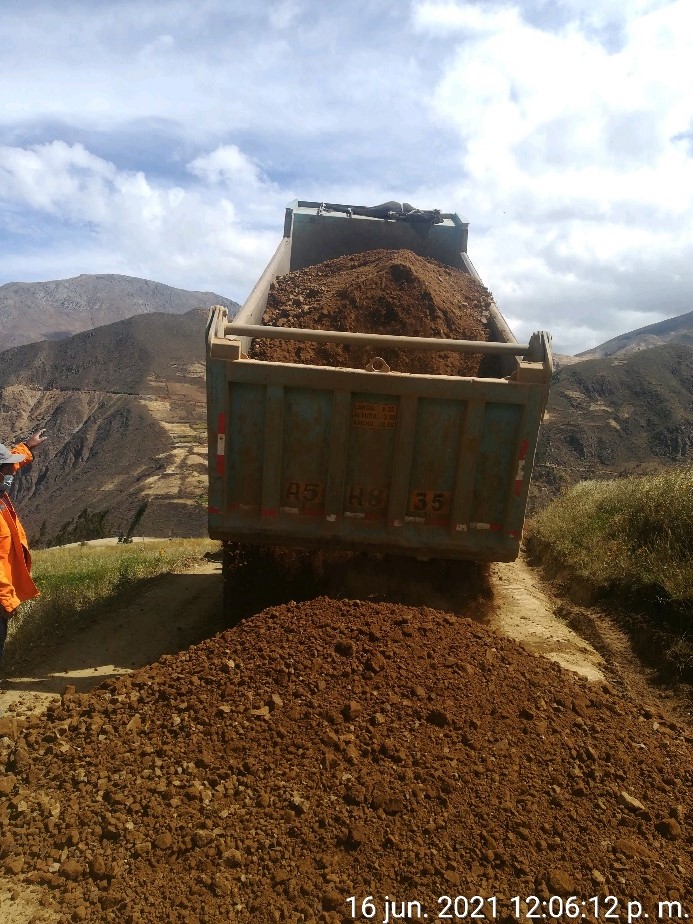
[16,584]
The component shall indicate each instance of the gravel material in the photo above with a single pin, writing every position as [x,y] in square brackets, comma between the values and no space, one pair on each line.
[380,292]
[343,748]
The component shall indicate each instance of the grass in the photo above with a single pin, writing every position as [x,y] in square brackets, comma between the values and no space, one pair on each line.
[76,579]
[631,541]
[630,535]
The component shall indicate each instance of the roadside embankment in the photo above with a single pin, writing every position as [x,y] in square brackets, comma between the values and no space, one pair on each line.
[628,543]
[77,579]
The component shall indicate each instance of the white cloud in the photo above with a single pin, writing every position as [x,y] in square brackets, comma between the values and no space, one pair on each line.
[450,17]
[52,177]
[207,67]
[607,11]
[227,165]
[283,15]
[569,156]
[165,140]
[183,236]
[159,50]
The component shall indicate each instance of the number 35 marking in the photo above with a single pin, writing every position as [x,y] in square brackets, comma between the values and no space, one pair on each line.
[423,502]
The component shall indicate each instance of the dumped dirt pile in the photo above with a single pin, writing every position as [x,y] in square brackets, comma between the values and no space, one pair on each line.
[331,749]
[379,292]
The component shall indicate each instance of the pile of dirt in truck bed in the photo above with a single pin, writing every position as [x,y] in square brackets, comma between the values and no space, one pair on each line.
[379,292]
[334,749]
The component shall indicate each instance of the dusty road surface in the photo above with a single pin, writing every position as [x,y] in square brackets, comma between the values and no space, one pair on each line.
[177,611]
[523,611]
[334,748]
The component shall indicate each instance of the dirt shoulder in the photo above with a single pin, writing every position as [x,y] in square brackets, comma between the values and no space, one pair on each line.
[524,611]
[176,611]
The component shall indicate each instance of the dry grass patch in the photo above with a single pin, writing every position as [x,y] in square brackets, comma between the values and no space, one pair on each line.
[630,535]
[75,580]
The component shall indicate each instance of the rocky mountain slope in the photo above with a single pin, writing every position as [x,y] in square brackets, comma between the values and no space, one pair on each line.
[32,311]
[672,330]
[631,413]
[124,405]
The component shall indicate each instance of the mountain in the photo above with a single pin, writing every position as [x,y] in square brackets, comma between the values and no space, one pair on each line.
[626,414]
[124,406]
[673,330]
[34,311]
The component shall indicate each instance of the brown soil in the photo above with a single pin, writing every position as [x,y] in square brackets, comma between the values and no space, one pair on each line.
[379,292]
[333,748]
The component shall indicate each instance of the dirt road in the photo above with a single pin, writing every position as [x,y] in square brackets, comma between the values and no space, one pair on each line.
[177,610]
[182,609]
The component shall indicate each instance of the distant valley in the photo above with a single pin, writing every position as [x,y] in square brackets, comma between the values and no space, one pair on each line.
[124,406]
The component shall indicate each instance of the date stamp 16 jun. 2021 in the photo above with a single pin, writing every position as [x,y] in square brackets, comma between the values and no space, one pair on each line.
[608,908]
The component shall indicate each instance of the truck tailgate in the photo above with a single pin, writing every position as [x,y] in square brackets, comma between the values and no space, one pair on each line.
[430,466]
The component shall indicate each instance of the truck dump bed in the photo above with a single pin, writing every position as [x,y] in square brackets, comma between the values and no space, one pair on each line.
[431,466]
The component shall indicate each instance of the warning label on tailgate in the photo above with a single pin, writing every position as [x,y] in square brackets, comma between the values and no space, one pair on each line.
[373,415]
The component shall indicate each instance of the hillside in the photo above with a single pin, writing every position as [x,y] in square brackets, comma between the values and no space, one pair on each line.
[124,405]
[672,330]
[630,414]
[34,311]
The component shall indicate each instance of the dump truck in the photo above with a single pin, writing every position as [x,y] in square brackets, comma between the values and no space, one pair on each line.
[370,459]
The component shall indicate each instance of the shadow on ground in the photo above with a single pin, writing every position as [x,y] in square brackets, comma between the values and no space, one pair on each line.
[261,576]
[168,613]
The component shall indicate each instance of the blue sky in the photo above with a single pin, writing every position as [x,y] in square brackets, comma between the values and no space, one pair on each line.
[163,139]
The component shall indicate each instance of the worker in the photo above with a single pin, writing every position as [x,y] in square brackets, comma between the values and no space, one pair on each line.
[16,584]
